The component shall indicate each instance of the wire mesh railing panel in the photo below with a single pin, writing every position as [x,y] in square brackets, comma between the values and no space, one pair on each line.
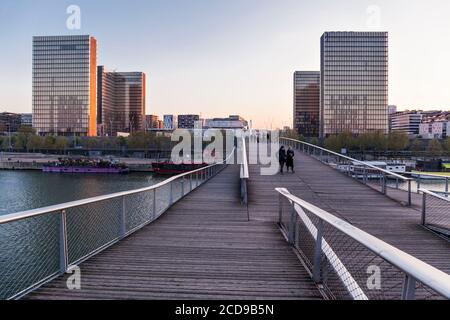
[305,237]
[351,271]
[177,189]
[285,213]
[162,199]
[91,226]
[424,292]
[437,212]
[139,209]
[29,252]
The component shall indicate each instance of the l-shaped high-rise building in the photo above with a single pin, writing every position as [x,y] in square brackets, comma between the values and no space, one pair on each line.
[121,101]
[65,85]
[354,82]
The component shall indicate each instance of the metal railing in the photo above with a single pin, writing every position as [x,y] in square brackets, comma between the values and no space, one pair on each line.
[244,173]
[39,245]
[436,211]
[366,173]
[421,178]
[348,263]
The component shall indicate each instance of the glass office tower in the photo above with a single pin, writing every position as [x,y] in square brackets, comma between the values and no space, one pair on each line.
[307,103]
[65,85]
[354,82]
[121,101]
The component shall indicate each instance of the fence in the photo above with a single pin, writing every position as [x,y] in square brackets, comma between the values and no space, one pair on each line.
[436,211]
[368,174]
[348,263]
[41,244]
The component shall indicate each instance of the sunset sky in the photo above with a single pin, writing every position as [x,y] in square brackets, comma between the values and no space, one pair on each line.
[217,57]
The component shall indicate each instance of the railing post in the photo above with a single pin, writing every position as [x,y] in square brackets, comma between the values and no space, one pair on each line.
[409,192]
[280,208]
[409,288]
[365,176]
[154,204]
[446,186]
[123,219]
[292,224]
[424,208]
[171,194]
[63,257]
[190,182]
[418,184]
[182,186]
[317,266]
[384,187]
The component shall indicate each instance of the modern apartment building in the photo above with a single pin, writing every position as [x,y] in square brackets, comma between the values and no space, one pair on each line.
[435,125]
[354,82]
[169,122]
[151,122]
[65,85]
[187,121]
[307,103]
[9,122]
[232,122]
[121,101]
[406,121]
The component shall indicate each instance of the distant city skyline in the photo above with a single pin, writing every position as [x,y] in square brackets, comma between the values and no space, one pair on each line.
[231,57]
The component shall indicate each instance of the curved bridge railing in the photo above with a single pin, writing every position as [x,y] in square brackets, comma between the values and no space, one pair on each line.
[366,173]
[39,245]
[348,263]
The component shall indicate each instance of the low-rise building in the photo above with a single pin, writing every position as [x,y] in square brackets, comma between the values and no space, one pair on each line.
[406,121]
[151,121]
[435,125]
[187,121]
[9,122]
[232,122]
[169,122]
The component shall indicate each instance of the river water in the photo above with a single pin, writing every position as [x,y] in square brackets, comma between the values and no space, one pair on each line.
[25,190]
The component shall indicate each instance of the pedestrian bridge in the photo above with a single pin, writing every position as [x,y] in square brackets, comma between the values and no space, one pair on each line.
[227,232]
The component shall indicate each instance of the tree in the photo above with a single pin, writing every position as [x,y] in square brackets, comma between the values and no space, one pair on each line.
[24,134]
[49,142]
[397,141]
[60,143]
[139,140]
[122,141]
[292,134]
[434,148]
[331,143]
[447,145]
[416,146]
[34,142]
[314,141]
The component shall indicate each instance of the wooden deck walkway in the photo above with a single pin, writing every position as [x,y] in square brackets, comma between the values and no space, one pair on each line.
[352,201]
[202,248]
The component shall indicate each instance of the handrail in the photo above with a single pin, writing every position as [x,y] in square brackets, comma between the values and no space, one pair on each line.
[244,166]
[427,175]
[351,159]
[73,204]
[435,194]
[419,270]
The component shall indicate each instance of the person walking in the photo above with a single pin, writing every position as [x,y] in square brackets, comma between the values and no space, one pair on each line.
[290,160]
[282,158]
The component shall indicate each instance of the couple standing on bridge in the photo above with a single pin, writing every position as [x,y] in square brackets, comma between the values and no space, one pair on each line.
[286,158]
